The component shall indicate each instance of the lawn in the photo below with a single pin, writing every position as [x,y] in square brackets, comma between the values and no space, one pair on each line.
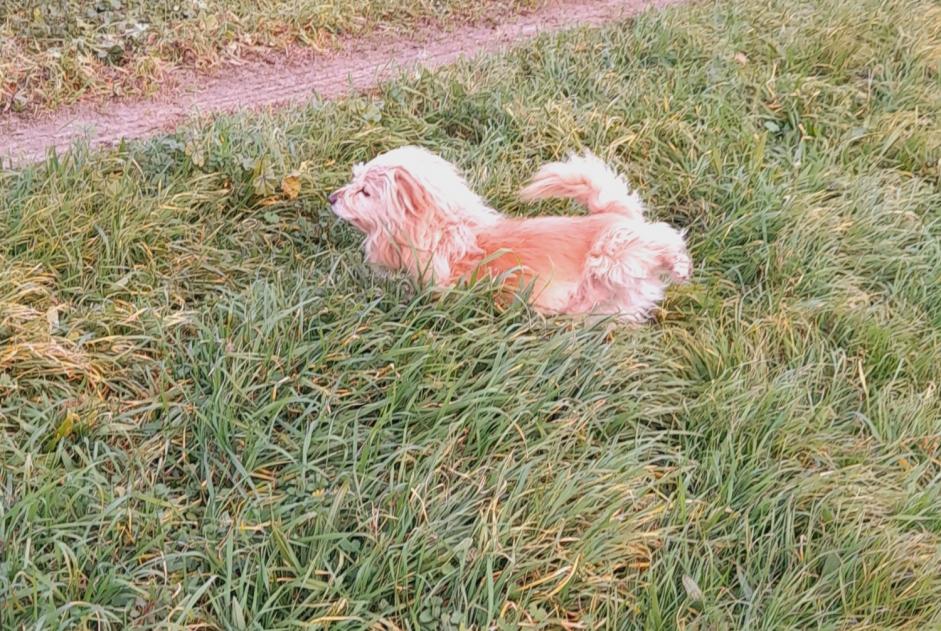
[212,415]
[55,52]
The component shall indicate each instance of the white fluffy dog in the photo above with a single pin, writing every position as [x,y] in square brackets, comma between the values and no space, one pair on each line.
[419,216]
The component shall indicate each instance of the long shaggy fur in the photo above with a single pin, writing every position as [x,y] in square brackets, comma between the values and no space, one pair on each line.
[588,181]
[419,216]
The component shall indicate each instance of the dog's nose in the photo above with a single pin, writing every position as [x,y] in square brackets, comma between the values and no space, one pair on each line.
[333,197]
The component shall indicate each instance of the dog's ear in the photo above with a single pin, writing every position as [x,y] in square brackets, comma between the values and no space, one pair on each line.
[410,195]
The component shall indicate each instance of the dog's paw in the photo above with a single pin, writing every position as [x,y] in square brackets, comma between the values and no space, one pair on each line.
[681,268]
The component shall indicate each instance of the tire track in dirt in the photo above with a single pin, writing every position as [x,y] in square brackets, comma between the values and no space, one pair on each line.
[357,66]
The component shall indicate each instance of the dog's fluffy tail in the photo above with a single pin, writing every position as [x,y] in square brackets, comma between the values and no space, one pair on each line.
[588,181]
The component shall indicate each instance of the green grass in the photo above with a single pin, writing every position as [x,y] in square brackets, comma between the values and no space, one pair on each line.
[55,52]
[214,416]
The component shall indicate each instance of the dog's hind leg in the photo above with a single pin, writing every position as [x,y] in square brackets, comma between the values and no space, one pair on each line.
[628,268]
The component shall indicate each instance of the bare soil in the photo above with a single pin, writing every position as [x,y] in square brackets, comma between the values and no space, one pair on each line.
[288,79]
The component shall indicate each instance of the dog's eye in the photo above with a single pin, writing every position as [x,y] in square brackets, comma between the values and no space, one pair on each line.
[364,191]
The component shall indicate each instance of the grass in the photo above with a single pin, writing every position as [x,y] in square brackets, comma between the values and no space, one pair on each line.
[56,52]
[214,416]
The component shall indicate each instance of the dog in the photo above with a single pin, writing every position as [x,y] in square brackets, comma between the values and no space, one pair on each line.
[420,217]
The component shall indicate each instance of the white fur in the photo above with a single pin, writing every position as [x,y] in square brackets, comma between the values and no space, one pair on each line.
[588,181]
[420,216]
[441,180]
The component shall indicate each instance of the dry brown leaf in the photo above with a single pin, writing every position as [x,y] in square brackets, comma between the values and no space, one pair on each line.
[291,186]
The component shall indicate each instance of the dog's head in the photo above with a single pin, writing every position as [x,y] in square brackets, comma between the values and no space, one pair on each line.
[415,210]
[381,198]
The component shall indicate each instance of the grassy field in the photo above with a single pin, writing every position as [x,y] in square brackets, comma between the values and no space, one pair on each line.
[54,52]
[214,416]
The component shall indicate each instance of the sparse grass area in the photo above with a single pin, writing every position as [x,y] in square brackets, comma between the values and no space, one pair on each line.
[54,52]
[214,416]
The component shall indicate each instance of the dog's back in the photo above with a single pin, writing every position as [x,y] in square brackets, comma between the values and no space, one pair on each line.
[604,262]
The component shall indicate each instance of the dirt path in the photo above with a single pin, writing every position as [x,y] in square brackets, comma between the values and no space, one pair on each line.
[360,65]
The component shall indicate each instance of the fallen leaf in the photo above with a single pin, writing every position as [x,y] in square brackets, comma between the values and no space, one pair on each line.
[692,589]
[291,186]
[52,317]
[66,426]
